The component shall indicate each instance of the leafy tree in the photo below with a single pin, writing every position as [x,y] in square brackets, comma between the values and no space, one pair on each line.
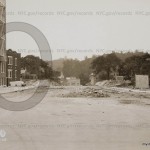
[137,65]
[35,65]
[84,78]
[106,63]
[78,69]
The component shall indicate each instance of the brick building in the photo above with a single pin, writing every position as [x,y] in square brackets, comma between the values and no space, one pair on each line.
[2,43]
[13,66]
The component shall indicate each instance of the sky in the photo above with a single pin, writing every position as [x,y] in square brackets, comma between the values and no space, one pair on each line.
[79,28]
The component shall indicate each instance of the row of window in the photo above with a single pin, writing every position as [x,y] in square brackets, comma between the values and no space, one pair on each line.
[10,73]
[10,60]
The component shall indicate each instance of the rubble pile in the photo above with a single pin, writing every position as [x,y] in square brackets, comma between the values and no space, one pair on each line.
[113,83]
[88,92]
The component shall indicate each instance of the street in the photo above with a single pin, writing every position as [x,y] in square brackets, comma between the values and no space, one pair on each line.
[60,122]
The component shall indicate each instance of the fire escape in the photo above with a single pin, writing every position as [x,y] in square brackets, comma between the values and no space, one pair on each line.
[2,31]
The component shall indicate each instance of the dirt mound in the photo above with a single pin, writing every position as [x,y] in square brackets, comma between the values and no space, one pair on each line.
[87,92]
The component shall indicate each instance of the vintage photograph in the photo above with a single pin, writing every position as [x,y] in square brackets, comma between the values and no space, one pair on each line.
[74,75]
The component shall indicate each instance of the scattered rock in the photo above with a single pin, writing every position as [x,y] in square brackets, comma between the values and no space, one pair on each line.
[88,92]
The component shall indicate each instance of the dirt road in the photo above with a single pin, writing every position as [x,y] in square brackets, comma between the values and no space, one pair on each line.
[65,122]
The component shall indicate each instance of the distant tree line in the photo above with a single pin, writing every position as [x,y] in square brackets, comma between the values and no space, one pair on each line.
[107,65]
[104,66]
[131,66]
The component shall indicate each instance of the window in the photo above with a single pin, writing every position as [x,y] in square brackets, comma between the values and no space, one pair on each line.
[3,81]
[2,67]
[15,61]
[10,60]
[9,73]
[2,51]
[15,73]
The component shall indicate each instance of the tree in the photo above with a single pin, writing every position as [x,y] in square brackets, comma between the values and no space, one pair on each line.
[106,63]
[84,78]
[35,65]
[137,65]
[78,69]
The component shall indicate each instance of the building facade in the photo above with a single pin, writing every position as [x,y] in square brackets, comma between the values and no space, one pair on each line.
[2,42]
[72,81]
[13,66]
[93,79]
[142,81]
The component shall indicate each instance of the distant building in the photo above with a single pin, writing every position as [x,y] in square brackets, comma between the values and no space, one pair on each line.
[26,75]
[61,76]
[13,66]
[119,78]
[142,81]
[72,81]
[2,42]
[93,79]
[23,71]
[62,79]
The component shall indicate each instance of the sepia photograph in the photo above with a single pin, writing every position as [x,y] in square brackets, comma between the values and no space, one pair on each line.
[74,75]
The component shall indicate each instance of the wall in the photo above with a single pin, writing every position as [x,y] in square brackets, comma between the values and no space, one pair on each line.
[13,66]
[142,81]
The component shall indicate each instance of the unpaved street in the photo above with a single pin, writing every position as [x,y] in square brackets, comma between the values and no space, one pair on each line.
[110,121]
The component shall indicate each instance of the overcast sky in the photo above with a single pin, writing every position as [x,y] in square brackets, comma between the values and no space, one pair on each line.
[85,27]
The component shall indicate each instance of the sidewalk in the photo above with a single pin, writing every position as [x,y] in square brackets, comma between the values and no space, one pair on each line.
[4,90]
[10,89]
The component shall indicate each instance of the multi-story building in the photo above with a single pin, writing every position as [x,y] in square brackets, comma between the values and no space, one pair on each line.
[13,66]
[2,42]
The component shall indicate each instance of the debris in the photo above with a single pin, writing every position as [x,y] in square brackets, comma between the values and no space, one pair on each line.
[88,92]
